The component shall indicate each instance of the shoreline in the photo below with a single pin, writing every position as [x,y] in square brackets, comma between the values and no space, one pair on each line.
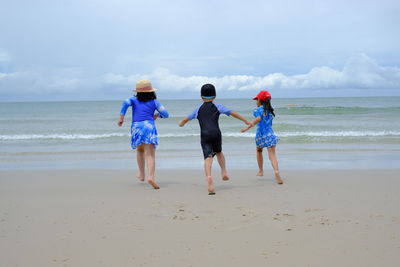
[290,157]
[108,218]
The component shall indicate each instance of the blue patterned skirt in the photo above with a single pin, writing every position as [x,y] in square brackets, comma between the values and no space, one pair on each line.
[266,140]
[143,132]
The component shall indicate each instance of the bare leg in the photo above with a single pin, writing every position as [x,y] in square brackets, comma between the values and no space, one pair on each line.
[260,161]
[221,162]
[274,163]
[207,169]
[140,161]
[150,156]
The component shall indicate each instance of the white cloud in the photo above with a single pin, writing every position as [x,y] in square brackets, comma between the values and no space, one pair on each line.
[360,72]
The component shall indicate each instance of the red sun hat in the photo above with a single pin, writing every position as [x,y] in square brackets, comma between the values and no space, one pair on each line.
[263,95]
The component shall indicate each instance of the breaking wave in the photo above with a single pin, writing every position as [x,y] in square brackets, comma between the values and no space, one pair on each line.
[64,136]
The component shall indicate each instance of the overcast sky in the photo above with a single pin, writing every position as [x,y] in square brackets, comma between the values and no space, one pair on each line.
[96,49]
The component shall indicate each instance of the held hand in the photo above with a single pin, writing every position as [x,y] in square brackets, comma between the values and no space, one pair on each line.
[248,127]
[245,129]
[247,122]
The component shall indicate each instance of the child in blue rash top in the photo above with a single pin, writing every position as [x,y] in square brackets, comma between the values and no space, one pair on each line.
[211,141]
[265,136]
[143,129]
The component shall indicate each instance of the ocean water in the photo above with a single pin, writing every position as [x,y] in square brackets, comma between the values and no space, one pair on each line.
[315,133]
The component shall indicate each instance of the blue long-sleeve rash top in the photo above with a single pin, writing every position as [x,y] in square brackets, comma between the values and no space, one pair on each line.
[142,111]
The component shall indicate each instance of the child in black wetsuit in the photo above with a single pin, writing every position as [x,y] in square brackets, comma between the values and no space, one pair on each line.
[211,141]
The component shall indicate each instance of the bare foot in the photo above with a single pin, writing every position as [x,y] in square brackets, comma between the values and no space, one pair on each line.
[140,177]
[153,183]
[210,186]
[278,178]
[260,173]
[225,177]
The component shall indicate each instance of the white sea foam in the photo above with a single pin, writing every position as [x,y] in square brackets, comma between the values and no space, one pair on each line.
[59,136]
[64,136]
[340,134]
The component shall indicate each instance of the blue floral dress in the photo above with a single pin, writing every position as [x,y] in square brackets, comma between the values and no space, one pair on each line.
[143,132]
[265,136]
[143,128]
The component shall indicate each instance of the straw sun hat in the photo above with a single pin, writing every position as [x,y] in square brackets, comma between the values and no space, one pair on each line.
[144,86]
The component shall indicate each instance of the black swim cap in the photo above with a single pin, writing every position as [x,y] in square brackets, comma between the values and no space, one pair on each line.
[208,90]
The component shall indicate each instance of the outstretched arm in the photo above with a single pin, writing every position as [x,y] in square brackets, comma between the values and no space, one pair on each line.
[191,116]
[162,112]
[121,120]
[125,105]
[183,122]
[252,123]
[224,110]
[239,117]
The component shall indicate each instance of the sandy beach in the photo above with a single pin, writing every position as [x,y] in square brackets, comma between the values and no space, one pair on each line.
[107,218]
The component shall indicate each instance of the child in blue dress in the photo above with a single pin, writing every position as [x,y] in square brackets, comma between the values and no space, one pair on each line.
[143,129]
[265,136]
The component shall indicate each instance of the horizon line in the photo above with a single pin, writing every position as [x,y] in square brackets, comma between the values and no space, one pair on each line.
[197,98]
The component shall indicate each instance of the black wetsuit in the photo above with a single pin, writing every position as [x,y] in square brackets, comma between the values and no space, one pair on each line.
[208,116]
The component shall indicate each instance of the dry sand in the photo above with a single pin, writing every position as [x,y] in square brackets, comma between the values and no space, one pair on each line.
[107,218]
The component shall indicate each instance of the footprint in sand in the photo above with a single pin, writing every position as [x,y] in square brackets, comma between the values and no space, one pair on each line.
[180,214]
[283,215]
[313,210]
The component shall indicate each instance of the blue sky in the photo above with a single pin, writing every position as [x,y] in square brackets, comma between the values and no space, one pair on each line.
[95,49]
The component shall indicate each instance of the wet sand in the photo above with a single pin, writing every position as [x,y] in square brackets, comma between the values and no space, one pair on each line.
[108,218]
